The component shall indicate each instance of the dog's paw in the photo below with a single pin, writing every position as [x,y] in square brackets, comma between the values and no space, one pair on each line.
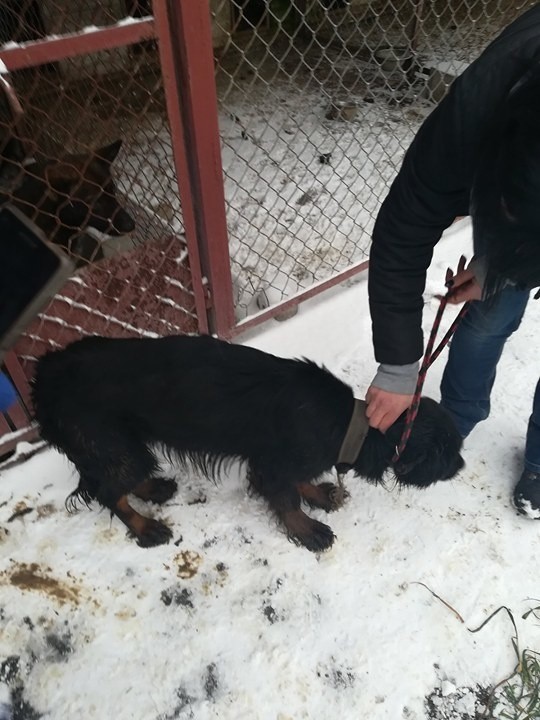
[336,494]
[326,495]
[312,534]
[321,538]
[153,533]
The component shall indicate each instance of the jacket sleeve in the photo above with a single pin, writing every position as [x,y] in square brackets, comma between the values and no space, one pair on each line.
[409,224]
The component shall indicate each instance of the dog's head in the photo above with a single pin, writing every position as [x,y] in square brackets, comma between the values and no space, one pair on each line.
[85,192]
[432,452]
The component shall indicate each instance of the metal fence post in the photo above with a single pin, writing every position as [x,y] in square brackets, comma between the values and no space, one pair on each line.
[191,43]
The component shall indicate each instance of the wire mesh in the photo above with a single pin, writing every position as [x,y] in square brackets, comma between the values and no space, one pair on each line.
[93,159]
[319,100]
[24,20]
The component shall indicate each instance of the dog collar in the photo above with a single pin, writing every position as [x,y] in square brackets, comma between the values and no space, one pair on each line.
[354,437]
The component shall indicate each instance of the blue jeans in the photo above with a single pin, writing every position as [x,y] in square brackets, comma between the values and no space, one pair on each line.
[470,371]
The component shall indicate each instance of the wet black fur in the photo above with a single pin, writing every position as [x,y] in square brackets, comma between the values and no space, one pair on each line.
[106,402]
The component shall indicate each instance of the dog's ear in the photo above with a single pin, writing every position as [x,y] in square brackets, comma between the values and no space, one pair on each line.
[60,176]
[108,153]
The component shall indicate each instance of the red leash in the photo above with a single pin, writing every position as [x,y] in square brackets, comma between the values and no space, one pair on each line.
[429,358]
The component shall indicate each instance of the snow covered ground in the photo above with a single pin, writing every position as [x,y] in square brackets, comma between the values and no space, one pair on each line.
[231,621]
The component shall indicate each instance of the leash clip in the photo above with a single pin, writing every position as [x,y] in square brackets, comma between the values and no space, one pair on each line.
[339,494]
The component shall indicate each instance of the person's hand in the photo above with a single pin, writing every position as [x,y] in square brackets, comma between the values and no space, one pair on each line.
[462,286]
[384,408]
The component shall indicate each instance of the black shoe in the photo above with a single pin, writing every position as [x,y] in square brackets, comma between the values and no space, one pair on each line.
[527,495]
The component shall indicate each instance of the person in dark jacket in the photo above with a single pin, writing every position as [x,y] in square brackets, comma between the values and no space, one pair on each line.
[477,153]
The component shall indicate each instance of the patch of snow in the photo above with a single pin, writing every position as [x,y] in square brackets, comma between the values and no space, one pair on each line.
[232,621]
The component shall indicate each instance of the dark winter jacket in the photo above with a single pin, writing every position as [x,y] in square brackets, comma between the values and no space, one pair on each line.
[433,187]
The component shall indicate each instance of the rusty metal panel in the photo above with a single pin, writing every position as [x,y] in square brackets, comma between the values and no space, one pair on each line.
[191,29]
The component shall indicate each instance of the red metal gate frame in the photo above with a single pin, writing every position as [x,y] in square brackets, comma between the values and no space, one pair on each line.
[192,39]
[315,289]
[162,28]
[177,89]
[184,34]
[191,61]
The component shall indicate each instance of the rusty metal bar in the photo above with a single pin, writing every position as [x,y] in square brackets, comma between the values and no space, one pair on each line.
[191,38]
[38,52]
[17,415]
[183,178]
[10,442]
[4,426]
[282,307]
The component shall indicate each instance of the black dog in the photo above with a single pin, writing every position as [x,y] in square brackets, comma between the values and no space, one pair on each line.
[66,197]
[106,402]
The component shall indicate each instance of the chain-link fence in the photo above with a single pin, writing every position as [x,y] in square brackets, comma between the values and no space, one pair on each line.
[90,160]
[319,99]
[71,109]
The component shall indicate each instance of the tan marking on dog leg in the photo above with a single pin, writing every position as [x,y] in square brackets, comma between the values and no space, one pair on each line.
[130,517]
[312,494]
[148,532]
[325,495]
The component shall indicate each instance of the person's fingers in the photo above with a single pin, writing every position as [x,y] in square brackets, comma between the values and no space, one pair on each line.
[385,423]
[379,420]
[463,276]
[456,298]
[384,408]
[373,409]
[464,293]
[457,294]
